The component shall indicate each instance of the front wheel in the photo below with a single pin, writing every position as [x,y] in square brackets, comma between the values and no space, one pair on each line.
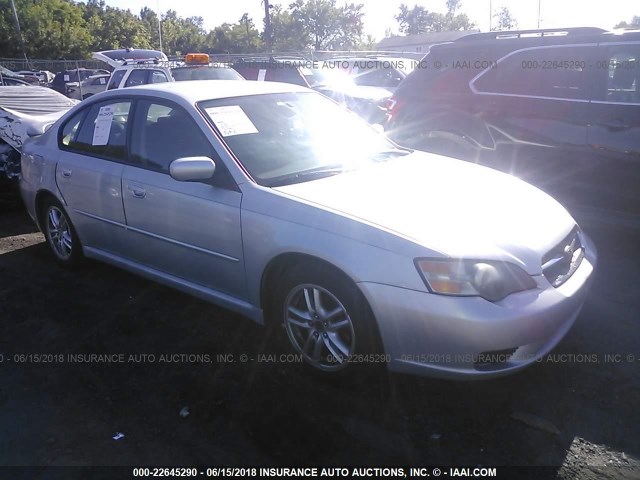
[60,234]
[326,318]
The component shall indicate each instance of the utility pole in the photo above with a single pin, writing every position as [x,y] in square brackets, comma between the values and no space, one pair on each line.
[539,2]
[160,26]
[24,51]
[267,25]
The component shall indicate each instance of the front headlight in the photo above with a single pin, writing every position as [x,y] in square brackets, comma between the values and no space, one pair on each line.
[488,279]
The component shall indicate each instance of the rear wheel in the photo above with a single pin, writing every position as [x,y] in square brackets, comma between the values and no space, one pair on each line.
[60,234]
[326,318]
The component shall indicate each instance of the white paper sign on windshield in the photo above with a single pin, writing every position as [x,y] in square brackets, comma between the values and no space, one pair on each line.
[102,128]
[231,120]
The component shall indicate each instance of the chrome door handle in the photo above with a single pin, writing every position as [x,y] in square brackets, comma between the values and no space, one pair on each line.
[137,191]
[66,173]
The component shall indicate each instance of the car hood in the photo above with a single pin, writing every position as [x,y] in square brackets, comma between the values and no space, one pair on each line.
[449,206]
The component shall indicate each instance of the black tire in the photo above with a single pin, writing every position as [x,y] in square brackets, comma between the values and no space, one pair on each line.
[341,349]
[84,97]
[63,241]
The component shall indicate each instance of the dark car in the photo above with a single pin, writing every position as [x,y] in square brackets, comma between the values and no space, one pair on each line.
[558,108]
[61,79]
[368,102]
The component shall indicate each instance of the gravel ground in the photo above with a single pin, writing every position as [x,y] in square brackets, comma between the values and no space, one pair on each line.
[577,412]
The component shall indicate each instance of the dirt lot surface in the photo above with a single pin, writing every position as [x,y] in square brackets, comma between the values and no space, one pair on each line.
[66,412]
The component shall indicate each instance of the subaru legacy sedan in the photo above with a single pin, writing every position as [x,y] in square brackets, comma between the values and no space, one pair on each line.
[273,201]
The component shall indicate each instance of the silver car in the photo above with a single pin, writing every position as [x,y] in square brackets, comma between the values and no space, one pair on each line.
[273,201]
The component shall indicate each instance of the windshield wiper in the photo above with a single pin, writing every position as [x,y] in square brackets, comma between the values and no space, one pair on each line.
[304,176]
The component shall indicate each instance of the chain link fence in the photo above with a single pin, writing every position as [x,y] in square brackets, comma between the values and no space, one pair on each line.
[55,66]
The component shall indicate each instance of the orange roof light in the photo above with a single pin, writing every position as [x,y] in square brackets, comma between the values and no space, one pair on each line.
[196,59]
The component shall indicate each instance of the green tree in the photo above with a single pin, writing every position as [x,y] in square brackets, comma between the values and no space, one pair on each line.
[413,21]
[241,37]
[150,20]
[504,20]
[287,34]
[51,29]
[325,25]
[417,20]
[634,24]
[112,28]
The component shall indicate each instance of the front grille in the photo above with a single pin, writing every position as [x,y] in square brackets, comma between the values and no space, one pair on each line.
[559,263]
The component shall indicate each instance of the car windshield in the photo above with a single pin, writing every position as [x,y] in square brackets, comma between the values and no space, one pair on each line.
[204,73]
[295,137]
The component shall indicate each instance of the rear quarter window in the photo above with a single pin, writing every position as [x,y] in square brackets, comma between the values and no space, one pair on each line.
[548,72]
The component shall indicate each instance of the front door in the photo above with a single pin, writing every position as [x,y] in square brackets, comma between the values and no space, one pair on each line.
[190,230]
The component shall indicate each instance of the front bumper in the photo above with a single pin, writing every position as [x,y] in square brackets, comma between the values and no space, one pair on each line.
[469,337]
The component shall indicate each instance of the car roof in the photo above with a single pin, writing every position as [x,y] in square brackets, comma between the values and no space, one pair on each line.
[198,90]
[517,39]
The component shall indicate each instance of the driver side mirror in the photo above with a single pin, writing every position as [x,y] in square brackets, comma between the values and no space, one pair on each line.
[189,169]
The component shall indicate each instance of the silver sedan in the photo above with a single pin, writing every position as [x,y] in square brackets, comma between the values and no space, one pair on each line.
[275,202]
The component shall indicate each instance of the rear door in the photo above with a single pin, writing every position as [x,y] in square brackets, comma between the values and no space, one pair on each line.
[89,171]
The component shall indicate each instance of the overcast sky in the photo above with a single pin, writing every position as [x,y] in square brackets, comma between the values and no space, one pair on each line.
[379,14]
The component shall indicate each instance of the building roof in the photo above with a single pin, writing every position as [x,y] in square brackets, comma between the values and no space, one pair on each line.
[428,38]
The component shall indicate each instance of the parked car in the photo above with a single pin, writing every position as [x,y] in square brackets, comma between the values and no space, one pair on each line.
[274,201]
[24,112]
[44,76]
[149,66]
[367,101]
[89,87]
[10,79]
[62,79]
[558,108]
[376,71]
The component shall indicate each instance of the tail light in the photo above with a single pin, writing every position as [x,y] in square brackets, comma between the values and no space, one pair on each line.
[394,105]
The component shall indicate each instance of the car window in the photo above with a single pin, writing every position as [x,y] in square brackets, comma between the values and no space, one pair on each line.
[559,72]
[103,132]
[204,73]
[137,77]
[162,133]
[100,81]
[158,77]
[116,78]
[71,127]
[623,78]
[383,77]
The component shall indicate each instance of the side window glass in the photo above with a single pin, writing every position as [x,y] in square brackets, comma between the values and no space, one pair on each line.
[163,133]
[104,131]
[116,78]
[70,129]
[158,77]
[623,76]
[137,77]
[559,72]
